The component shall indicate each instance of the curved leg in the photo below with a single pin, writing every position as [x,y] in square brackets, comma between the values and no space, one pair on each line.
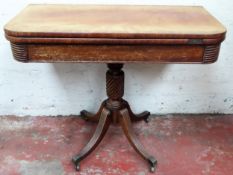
[127,128]
[92,117]
[101,129]
[138,117]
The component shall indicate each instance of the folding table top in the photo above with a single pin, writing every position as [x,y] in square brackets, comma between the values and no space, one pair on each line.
[118,21]
[114,33]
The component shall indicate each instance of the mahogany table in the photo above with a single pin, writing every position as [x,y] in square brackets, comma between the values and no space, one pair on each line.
[115,35]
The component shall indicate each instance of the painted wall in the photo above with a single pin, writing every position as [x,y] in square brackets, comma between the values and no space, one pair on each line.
[63,89]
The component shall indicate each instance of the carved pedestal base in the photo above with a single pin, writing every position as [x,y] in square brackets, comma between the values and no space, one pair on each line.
[115,110]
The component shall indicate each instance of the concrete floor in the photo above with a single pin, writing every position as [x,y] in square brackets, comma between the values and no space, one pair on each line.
[183,145]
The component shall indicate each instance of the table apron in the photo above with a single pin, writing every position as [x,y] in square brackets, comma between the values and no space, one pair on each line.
[115,53]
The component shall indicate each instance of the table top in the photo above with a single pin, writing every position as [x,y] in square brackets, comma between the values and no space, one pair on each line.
[115,21]
[115,34]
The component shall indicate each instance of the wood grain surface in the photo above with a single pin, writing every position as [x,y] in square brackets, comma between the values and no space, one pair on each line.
[115,21]
[115,53]
[115,34]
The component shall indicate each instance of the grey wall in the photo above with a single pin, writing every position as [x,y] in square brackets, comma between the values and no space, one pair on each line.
[54,89]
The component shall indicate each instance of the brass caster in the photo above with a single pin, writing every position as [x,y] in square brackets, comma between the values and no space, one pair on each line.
[153,164]
[75,160]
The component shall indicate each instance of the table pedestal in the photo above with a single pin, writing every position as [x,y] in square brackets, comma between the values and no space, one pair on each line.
[115,110]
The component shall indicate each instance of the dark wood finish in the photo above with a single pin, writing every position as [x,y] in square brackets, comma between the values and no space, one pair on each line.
[20,52]
[115,35]
[131,41]
[101,129]
[116,110]
[211,53]
[137,117]
[117,53]
[127,128]
[92,117]
[112,53]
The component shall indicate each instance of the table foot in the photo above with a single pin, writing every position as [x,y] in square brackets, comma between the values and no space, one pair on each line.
[137,117]
[125,123]
[88,116]
[142,116]
[153,163]
[100,131]
[77,165]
